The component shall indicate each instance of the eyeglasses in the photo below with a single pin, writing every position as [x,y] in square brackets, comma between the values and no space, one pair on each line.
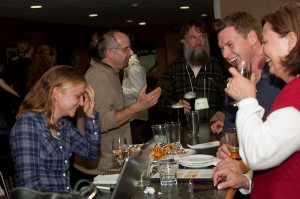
[124,50]
[201,37]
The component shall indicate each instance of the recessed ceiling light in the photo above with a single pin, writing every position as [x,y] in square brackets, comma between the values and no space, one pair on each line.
[129,21]
[36,6]
[184,7]
[204,15]
[93,15]
[142,23]
[134,5]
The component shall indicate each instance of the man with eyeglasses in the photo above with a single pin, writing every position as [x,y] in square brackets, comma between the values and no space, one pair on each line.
[114,52]
[195,72]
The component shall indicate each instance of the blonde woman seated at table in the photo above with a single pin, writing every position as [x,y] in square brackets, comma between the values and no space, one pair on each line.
[270,146]
[43,139]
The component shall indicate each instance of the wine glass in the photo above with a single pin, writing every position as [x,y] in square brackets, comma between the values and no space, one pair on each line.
[245,69]
[120,149]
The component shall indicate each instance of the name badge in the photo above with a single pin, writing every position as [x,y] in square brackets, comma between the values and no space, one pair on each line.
[201,103]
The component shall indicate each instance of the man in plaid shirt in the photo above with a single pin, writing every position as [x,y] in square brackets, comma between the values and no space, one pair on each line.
[196,71]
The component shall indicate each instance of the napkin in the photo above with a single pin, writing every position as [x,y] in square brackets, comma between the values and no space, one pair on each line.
[106,179]
[205,145]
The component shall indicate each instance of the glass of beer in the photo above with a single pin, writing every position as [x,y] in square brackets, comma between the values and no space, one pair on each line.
[190,97]
[232,143]
[177,113]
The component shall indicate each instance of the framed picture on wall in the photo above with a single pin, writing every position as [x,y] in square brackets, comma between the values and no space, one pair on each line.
[10,53]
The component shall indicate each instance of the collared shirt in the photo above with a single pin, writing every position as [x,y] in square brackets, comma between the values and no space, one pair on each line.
[41,160]
[268,87]
[133,81]
[179,79]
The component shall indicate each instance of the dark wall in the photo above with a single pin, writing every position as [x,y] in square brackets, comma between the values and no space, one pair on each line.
[72,41]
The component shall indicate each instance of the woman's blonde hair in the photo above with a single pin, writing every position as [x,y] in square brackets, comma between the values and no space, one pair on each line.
[43,59]
[39,98]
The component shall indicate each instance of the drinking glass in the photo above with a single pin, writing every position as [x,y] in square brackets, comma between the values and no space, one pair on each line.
[168,171]
[245,69]
[233,143]
[120,149]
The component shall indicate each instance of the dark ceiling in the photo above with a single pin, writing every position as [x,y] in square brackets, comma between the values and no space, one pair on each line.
[111,13]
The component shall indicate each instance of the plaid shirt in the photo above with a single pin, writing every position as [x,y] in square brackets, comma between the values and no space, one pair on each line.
[42,161]
[179,79]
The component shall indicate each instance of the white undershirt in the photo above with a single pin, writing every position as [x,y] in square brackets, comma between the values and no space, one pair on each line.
[196,70]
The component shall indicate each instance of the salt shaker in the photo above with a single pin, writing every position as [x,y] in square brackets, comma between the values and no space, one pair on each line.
[191,186]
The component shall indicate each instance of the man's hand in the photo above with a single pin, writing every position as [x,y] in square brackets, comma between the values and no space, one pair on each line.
[186,105]
[217,126]
[217,116]
[145,101]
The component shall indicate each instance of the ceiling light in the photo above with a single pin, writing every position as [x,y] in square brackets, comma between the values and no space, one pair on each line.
[134,5]
[184,7]
[142,23]
[36,6]
[93,15]
[204,15]
[129,21]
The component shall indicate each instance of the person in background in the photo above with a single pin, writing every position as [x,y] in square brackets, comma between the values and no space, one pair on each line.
[114,51]
[270,145]
[7,94]
[133,81]
[16,73]
[43,139]
[196,71]
[94,44]
[43,59]
[7,88]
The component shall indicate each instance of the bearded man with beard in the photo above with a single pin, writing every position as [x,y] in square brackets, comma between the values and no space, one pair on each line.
[195,71]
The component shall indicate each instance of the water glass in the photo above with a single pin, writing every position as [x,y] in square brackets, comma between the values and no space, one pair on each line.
[193,123]
[168,171]
[159,134]
[173,131]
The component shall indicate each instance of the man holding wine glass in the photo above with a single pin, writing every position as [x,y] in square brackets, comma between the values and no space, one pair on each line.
[239,41]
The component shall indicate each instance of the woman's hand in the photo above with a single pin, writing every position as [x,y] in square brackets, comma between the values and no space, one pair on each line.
[237,166]
[228,178]
[238,87]
[223,152]
[89,103]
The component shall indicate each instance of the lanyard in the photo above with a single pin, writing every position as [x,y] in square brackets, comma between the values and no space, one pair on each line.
[190,79]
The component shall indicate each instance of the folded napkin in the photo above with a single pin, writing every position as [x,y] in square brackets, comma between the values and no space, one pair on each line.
[106,179]
[205,145]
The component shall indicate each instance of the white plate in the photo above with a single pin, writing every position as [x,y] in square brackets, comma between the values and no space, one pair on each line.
[197,159]
[187,152]
[196,165]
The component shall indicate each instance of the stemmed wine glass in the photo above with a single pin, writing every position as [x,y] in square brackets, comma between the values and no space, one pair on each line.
[245,69]
[120,149]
